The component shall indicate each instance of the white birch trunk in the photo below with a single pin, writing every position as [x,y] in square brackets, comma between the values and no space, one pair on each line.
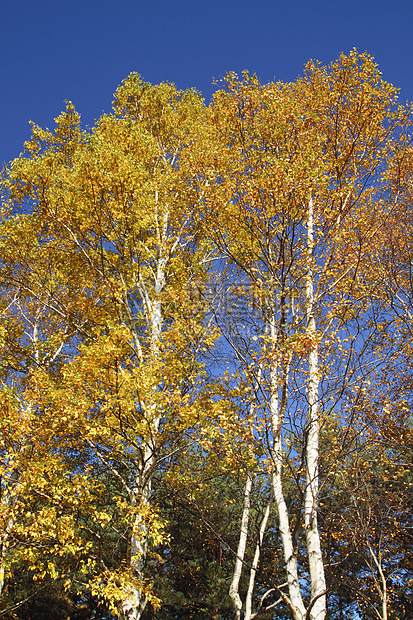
[382,586]
[315,559]
[254,567]
[294,598]
[242,543]
[134,604]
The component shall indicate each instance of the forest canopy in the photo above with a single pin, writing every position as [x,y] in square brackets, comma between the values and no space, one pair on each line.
[206,355]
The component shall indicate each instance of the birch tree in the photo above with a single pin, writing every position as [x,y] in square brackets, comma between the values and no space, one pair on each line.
[296,203]
[32,467]
[114,211]
[115,358]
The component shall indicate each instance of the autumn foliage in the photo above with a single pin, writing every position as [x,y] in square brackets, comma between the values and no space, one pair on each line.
[206,355]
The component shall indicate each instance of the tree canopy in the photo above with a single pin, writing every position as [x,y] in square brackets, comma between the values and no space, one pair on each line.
[206,355]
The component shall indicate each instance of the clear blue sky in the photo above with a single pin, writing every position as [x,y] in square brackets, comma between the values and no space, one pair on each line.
[82,49]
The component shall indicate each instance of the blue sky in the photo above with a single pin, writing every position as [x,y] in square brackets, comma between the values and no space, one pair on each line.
[82,49]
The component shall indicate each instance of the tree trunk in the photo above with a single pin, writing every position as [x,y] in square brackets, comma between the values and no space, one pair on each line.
[315,559]
[294,599]
[242,543]
[135,602]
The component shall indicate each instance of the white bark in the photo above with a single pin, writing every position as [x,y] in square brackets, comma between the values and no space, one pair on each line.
[315,559]
[134,604]
[382,586]
[239,563]
[242,543]
[316,608]
[294,598]
[136,601]
[255,562]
